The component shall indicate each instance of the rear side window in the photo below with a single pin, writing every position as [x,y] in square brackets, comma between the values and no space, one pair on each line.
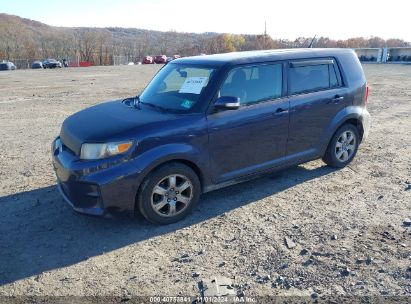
[313,77]
[253,84]
[333,76]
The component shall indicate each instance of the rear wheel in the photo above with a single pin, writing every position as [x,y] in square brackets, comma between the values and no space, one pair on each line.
[169,193]
[343,147]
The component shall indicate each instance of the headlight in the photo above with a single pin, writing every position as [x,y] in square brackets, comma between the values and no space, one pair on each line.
[97,151]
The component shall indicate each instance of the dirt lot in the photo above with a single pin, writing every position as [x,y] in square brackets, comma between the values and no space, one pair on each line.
[347,225]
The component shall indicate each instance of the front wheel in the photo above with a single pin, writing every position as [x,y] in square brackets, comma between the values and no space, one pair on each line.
[169,193]
[343,147]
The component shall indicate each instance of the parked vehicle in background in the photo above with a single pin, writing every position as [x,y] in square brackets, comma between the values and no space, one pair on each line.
[51,64]
[7,66]
[37,65]
[160,59]
[148,60]
[174,57]
[206,122]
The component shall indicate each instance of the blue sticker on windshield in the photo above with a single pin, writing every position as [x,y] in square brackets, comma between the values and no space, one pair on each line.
[187,104]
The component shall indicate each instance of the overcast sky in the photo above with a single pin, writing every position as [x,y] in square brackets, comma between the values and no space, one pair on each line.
[285,19]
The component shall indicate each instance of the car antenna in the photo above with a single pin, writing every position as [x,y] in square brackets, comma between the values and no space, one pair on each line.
[312,42]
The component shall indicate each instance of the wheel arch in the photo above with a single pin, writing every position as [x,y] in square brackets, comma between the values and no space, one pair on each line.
[356,122]
[189,163]
[351,115]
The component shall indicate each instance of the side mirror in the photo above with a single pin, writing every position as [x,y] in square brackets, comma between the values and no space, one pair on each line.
[162,86]
[227,102]
[183,74]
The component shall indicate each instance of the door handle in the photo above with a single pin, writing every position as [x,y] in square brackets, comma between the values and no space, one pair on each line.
[280,111]
[337,98]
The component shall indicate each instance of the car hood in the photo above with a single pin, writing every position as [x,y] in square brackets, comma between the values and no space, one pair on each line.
[110,121]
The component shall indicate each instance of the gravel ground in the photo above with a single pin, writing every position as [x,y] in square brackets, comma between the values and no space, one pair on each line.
[346,227]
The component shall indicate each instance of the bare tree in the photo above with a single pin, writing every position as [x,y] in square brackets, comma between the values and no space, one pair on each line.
[28,39]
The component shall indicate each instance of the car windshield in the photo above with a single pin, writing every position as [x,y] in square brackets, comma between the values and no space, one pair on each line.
[177,87]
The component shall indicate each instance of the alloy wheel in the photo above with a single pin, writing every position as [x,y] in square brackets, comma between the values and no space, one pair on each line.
[172,195]
[345,146]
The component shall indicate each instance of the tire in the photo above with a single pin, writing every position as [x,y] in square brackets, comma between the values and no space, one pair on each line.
[162,203]
[342,148]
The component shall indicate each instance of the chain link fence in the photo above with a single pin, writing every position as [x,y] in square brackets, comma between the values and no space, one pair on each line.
[122,60]
[22,63]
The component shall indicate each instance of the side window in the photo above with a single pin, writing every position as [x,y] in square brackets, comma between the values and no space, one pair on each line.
[254,84]
[333,77]
[309,78]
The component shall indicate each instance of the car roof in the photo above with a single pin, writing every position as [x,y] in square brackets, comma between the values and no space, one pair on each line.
[261,56]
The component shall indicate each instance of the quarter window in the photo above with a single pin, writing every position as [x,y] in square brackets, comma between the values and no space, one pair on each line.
[254,84]
[333,76]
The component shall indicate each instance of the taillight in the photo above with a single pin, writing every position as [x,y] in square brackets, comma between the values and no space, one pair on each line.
[367,90]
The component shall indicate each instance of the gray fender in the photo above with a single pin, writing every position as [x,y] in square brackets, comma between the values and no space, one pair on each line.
[350,112]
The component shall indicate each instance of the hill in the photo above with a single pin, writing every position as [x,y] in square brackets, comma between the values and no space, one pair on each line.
[29,40]
[22,38]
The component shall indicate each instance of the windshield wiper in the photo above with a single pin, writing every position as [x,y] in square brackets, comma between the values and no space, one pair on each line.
[154,106]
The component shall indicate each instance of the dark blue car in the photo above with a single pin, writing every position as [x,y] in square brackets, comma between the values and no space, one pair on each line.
[206,122]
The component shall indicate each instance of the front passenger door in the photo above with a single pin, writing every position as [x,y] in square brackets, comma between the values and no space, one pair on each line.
[253,137]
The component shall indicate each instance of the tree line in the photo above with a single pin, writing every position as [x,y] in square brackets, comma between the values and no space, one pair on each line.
[27,39]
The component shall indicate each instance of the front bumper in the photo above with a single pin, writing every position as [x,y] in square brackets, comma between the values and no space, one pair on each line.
[96,210]
[93,187]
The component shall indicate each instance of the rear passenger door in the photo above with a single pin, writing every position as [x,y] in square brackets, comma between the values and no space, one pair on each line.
[317,94]
[253,137]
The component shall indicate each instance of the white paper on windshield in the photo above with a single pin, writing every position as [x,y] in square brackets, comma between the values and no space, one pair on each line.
[193,85]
